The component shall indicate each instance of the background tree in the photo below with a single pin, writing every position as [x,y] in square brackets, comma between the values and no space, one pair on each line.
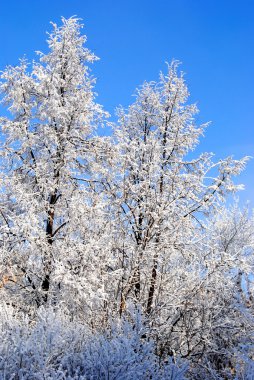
[160,189]
[165,204]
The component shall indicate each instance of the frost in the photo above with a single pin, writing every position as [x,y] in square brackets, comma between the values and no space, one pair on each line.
[118,258]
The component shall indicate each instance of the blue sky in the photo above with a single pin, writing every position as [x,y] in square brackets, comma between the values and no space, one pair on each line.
[212,39]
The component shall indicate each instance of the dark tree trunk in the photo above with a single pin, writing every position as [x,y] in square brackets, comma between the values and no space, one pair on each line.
[152,288]
[49,234]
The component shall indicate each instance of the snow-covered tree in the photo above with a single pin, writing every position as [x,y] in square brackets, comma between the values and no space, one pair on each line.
[48,217]
[159,188]
[163,197]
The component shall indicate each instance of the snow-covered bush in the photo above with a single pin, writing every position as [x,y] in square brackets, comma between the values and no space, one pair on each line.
[55,347]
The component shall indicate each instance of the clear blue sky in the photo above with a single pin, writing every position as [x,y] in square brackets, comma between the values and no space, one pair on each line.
[214,40]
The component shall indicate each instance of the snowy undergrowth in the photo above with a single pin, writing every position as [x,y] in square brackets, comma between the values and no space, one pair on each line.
[53,347]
